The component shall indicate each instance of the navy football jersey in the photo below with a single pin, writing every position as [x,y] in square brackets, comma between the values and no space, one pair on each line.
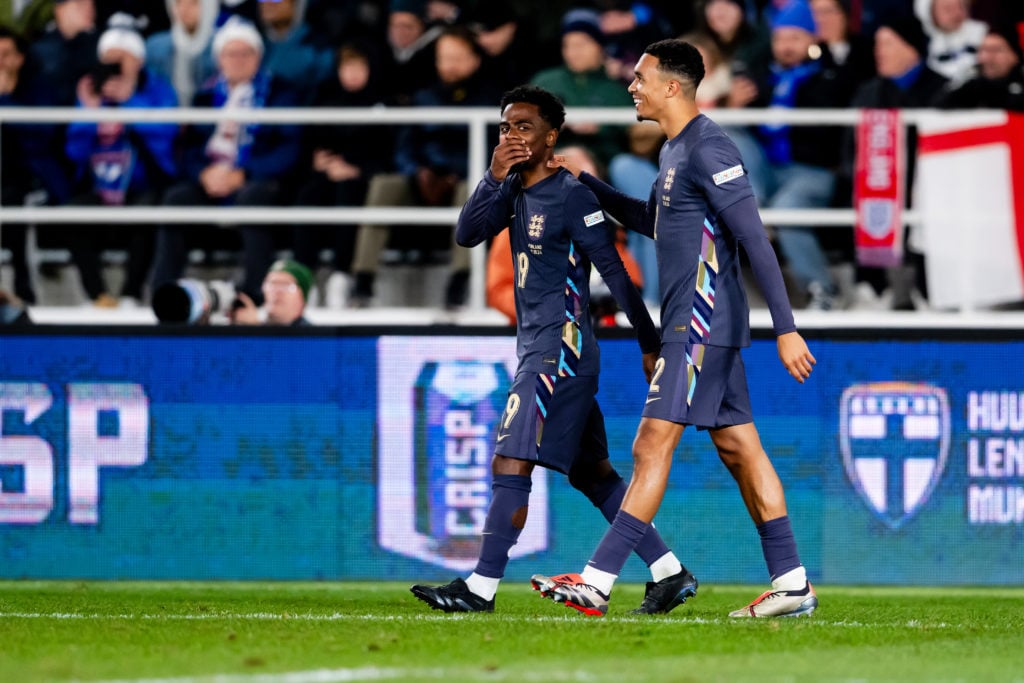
[701,175]
[557,229]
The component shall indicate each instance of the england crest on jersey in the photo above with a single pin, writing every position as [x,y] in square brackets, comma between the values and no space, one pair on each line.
[536,227]
[894,438]
[670,178]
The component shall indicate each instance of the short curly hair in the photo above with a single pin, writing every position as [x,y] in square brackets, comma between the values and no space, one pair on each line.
[551,108]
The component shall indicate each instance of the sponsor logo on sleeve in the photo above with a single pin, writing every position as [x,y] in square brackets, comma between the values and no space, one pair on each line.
[727,175]
[592,219]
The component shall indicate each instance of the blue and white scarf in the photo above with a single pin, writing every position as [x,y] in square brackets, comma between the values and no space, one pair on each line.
[232,140]
[786,84]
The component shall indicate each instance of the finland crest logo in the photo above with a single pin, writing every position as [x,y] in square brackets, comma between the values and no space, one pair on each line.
[894,438]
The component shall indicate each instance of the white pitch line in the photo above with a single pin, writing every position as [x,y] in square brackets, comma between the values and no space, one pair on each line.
[367,674]
[916,624]
[313,676]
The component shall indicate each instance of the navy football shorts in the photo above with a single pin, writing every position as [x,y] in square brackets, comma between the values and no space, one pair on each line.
[551,420]
[700,385]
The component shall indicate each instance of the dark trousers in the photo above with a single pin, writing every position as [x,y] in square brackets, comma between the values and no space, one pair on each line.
[87,240]
[257,240]
[307,240]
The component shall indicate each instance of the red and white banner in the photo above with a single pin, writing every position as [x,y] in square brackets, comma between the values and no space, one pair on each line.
[970,193]
[878,188]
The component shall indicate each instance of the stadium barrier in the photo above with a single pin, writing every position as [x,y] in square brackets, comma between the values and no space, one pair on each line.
[477,120]
[361,453]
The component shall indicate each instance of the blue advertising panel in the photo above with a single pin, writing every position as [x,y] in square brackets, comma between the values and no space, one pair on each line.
[207,454]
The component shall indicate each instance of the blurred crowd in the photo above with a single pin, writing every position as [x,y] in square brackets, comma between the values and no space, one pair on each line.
[252,54]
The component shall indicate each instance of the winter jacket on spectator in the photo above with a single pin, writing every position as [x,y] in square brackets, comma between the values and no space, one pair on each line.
[33,153]
[817,85]
[988,93]
[443,148]
[951,54]
[361,145]
[60,63]
[136,158]
[266,152]
[298,60]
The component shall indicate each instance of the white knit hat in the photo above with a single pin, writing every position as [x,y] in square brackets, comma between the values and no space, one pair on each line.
[237,28]
[122,36]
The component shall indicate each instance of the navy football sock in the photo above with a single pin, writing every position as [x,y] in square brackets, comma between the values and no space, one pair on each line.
[619,541]
[505,520]
[608,499]
[779,546]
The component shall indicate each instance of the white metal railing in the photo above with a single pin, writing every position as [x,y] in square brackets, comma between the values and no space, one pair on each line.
[477,119]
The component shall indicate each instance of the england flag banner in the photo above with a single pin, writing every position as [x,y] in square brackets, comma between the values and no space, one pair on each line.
[879,177]
[970,193]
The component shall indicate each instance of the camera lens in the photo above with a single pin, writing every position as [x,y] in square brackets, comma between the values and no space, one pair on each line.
[172,303]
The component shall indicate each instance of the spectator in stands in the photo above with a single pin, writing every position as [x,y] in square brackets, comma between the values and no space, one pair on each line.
[999,83]
[291,52]
[31,155]
[67,51]
[341,160]
[802,160]
[431,160]
[411,44]
[511,56]
[582,81]
[846,53]
[182,54]
[904,80]
[955,37]
[715,87]
[119,164]
[234,163]
[285,290]
[743,45]
[629,27]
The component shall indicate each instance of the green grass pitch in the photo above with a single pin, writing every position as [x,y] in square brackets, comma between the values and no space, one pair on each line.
[328,632]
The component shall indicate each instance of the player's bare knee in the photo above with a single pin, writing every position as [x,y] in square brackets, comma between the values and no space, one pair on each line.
[732,461]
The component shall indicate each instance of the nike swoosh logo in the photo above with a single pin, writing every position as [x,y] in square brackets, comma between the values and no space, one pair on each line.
[656,398]
[503,436]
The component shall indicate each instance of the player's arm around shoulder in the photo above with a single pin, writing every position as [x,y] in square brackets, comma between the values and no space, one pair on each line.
[589,227]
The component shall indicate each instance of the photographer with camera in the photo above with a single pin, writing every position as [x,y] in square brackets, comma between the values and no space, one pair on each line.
[119,164]
[285,291]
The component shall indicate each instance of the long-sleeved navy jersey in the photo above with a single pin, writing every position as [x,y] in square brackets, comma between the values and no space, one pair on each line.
[700,211]
[557,229]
